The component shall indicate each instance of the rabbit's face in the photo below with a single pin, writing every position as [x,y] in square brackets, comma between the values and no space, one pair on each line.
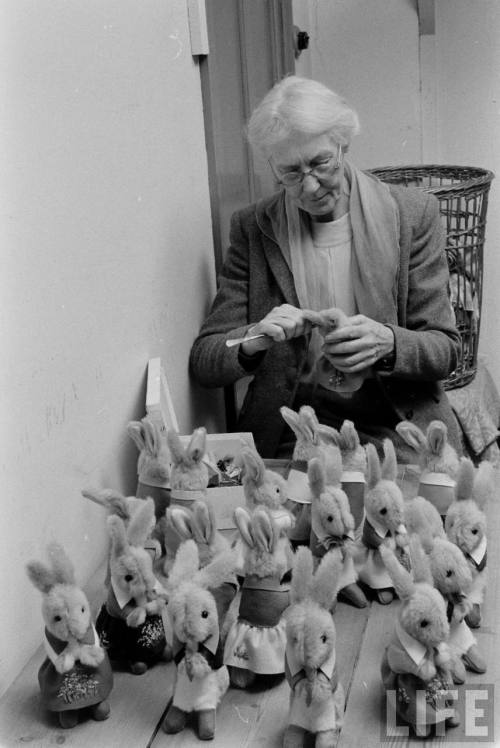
[384,502]
[132,572]
[465,525]
[264,563]
[333,513]
[193,613]
[424,616]
[189,475]
[155,466]
[310,633]
[449,568]
[272,492]
[66,612]
[354,459]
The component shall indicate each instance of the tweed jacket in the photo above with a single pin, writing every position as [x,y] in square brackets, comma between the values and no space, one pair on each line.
[255,278]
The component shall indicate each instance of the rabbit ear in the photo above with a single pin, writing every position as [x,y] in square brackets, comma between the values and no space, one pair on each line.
[328,435]
[112,500]
[373,468]
[136,432]
[316,476]
[332,457]
[302,574]
[186,564]
[412,435]
[142,523]
[41,576]
[205,525]
[419,562]
[310,423]
[465,479]
[437,436]
[62,566]
[349,435]
[217,571]
[484,483]
[182,520]
[243,522]
[197,444]
[390,464]
[118,535]
[175,446]
[253,466]
[403,583]
[264,531]
[325,582]
[292,419]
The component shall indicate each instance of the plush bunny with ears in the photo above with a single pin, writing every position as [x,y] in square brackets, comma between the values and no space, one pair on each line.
[312,440]
[453,578]
[466,526]
[351,449]
[198,523]
[255,644]
[130,621]
[418,658]
[188,470]
[154,459]
[76,673]
[153,464]
[317,697]
[262,487]
[384,517]
[332,529]
[438,461]
[201,678]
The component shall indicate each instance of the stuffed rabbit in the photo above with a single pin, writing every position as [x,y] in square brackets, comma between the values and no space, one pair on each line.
[437,459]
[453,578]
[384,517]
[466,527]
[76,673]
[198,523]
[255,644]
[264,487]
[130,623]
[417,661]
[354,466]
[309,435]
[316,698]
[201,677]
[152,464]
[332,529]
[188,479]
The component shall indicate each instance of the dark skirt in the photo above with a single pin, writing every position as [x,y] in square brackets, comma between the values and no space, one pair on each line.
[143,643]
[80,687]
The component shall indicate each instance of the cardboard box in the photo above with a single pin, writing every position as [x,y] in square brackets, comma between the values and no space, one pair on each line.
[159,407]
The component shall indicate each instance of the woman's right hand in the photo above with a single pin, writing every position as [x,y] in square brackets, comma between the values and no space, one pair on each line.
[281,323]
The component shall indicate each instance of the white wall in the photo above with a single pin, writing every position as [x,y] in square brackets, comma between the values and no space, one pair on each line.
[371,53]
[106,262]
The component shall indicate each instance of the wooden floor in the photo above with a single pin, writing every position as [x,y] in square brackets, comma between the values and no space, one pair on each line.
[257,719]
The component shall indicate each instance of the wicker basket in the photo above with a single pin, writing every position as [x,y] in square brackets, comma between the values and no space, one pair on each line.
[462,192]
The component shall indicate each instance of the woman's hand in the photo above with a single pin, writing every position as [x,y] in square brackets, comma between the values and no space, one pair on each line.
[281,323]
[358,343]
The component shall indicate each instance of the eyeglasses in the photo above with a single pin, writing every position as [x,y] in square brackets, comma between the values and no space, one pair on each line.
[320,169]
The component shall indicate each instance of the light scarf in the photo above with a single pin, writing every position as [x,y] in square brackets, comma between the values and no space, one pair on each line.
[375,247]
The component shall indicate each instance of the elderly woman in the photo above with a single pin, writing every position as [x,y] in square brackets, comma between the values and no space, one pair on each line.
[345,278]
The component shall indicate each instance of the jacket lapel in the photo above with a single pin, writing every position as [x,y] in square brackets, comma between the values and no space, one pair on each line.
[274,256]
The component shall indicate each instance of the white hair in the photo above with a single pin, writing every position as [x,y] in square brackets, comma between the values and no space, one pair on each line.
[299,108]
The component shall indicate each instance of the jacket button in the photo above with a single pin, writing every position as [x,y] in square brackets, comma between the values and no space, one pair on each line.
[409,415]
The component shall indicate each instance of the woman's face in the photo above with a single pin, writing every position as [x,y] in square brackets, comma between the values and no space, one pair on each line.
[315,193]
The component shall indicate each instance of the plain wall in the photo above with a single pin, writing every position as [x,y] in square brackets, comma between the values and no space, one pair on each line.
[107,260]
[421,99]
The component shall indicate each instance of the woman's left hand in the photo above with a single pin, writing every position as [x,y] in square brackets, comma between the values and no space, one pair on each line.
[358,344]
